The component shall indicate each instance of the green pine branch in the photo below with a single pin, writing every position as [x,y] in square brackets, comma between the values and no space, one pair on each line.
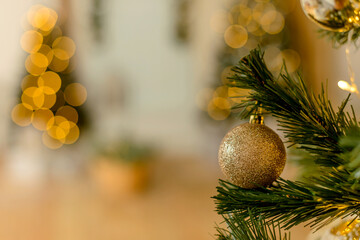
[254,228]
[330,195]
[290,203]
[307,120]
[331,138]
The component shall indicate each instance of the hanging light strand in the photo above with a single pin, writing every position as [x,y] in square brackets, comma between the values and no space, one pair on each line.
[350,87]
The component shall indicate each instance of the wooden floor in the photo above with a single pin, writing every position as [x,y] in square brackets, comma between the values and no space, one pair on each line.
[176,206]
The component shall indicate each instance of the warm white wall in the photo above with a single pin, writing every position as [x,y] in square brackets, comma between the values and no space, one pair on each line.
[11,61]
[158,76]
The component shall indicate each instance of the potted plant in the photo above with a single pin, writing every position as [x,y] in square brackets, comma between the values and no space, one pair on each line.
[122,168]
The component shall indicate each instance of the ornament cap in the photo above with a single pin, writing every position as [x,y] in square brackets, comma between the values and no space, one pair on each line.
[256,119]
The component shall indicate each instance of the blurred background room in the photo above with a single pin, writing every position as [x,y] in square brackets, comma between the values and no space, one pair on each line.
[112,111]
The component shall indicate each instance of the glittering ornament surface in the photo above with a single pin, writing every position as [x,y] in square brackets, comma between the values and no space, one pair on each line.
[346,230]
[251,155]
[333,15]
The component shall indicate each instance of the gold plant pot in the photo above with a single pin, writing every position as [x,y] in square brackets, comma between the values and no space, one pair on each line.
[117,177]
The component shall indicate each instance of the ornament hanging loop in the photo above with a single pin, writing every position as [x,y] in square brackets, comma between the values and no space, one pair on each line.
[257,117]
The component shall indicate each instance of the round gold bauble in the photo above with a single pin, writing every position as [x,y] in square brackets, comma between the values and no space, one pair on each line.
[252,155]
[333,15]
[346,230]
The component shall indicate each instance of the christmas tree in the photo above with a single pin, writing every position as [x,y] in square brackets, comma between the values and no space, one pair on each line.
[242,25]
[51,100]
[255,202]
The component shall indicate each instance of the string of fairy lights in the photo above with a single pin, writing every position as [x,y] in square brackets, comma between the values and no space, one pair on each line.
[47,102]
[243,25]
[344,85]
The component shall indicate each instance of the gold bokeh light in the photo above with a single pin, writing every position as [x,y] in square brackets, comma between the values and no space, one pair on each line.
[58,65]
[29,81]
[50,142]
[236,36]
[21,115]
[217,113]
[75,94]
[220,92]
[32,12]
[73,134]
[47,52]
[222,103]
[41,119]
[58,128]
[42,18]
[60,101]
[64,48]
[262,8]
[49,100]
[272,22]
[245,16]
[69,113]
[33,98]
[31,41]
[36,64]
[50,82]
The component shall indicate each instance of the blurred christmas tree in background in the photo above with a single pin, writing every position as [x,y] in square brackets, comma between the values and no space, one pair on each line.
[51,100]
[243,25]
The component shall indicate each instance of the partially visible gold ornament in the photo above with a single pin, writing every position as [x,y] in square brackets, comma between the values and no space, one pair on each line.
[252,155]
[356,19]
[346,230]
[333,15]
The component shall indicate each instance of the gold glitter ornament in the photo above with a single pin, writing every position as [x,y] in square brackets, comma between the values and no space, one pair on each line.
[252,155]
[346,230]
[333,15]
